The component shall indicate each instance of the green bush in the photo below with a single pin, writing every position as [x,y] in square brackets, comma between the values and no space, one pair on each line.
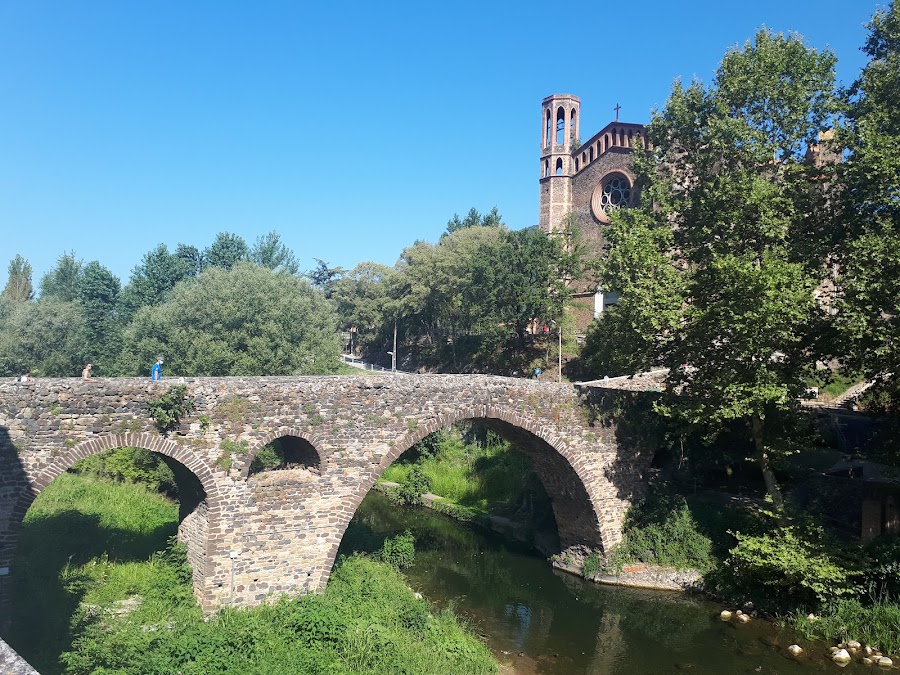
[791,567]
[399,551]
[169,407]
[882,576]
[130,465]
[416,485]
[662,531]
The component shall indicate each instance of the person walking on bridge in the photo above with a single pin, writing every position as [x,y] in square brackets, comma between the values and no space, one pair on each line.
[156,370]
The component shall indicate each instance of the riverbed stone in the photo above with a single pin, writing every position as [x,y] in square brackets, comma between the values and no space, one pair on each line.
[841,657]
[795,650]
[726,615]
[885,662]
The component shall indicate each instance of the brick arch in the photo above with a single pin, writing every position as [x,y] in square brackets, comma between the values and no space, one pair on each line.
[316,443]
[540,433]
[146,441]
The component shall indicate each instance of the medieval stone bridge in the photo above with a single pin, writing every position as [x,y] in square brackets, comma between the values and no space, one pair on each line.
[252,535]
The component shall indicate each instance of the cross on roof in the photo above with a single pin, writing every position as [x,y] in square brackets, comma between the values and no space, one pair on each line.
[617,109]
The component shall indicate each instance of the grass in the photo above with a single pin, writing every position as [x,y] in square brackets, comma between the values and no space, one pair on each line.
[833,385]
[473,475]
[99,590]
[875,625]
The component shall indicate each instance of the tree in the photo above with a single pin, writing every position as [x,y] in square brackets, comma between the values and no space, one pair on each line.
[46,337]
[156,275]
[728,199]
[269,251]
[522,280]
[474,219]
[244,321]
[61,281]
[18,287]
[868,251]
[324,277]
[98,292]
[362,296]
[226,251]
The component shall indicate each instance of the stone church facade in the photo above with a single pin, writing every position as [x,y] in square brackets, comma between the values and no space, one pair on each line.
[583,183]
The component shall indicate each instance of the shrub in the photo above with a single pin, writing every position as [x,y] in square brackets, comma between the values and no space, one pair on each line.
[882,575]
[399,551]
[130,465]
[416,484]
[663,531]
[791,566]
[168,409]
[591,565]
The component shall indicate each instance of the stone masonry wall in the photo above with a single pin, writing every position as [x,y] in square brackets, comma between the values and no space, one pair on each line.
[250,536]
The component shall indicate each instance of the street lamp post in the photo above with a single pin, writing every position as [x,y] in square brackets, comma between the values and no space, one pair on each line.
[394,353]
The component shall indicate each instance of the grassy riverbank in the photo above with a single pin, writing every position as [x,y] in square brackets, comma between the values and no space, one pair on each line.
[790,567]
[101,591]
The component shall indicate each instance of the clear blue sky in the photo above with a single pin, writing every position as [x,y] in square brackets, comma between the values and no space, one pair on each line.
[352,128]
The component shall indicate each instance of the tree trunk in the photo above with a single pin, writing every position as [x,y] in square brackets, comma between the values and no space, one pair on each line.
[762,456]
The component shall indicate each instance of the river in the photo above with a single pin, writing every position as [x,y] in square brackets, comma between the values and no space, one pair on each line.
[540,620]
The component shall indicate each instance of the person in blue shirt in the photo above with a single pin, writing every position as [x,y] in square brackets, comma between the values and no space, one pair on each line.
[156,370]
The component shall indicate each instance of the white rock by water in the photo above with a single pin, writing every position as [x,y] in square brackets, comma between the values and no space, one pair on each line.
[853,644]
[841,657]
[795,650]
[725,615]
[885,662]
[742,618]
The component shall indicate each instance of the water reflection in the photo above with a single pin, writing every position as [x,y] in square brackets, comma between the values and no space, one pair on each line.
[540,620]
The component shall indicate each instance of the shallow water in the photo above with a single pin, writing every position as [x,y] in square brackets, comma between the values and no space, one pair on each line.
[540,620]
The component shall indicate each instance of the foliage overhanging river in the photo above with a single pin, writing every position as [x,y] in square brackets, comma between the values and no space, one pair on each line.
[540,620]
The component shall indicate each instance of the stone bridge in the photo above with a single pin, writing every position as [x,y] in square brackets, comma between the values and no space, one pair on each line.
[251,535]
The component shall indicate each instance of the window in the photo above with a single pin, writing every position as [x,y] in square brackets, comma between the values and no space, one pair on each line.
[614,192]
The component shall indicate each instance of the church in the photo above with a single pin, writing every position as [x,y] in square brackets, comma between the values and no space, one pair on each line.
[584,182]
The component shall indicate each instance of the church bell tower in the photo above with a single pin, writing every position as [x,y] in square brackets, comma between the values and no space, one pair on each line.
[560,117]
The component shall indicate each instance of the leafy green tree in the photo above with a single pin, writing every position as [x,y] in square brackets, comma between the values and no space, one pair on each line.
[18,286]
[156,275]
[716,274]
[362,296]
[61,282]
[98,292]
[868,253]
[269,251]
[46,337]
[226,251]
[325,277]
[244,321]
[474,219]
[521,279]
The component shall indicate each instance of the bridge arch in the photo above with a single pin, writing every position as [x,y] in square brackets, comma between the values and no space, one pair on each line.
[199,498]
[312,445]
[570,484]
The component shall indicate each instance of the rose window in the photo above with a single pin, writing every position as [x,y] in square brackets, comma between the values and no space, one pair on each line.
[614,192]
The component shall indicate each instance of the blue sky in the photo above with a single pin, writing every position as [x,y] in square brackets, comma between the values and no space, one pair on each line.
[351,128]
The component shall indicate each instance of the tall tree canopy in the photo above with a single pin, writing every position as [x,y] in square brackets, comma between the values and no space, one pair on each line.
[226,251]
[244,321]
[715,269]
[18,285]
[61,282]
[868,252]
[271,252]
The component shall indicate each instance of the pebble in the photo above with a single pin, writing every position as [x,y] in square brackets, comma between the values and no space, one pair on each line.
[885,662]
[725,615]
[795,650]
